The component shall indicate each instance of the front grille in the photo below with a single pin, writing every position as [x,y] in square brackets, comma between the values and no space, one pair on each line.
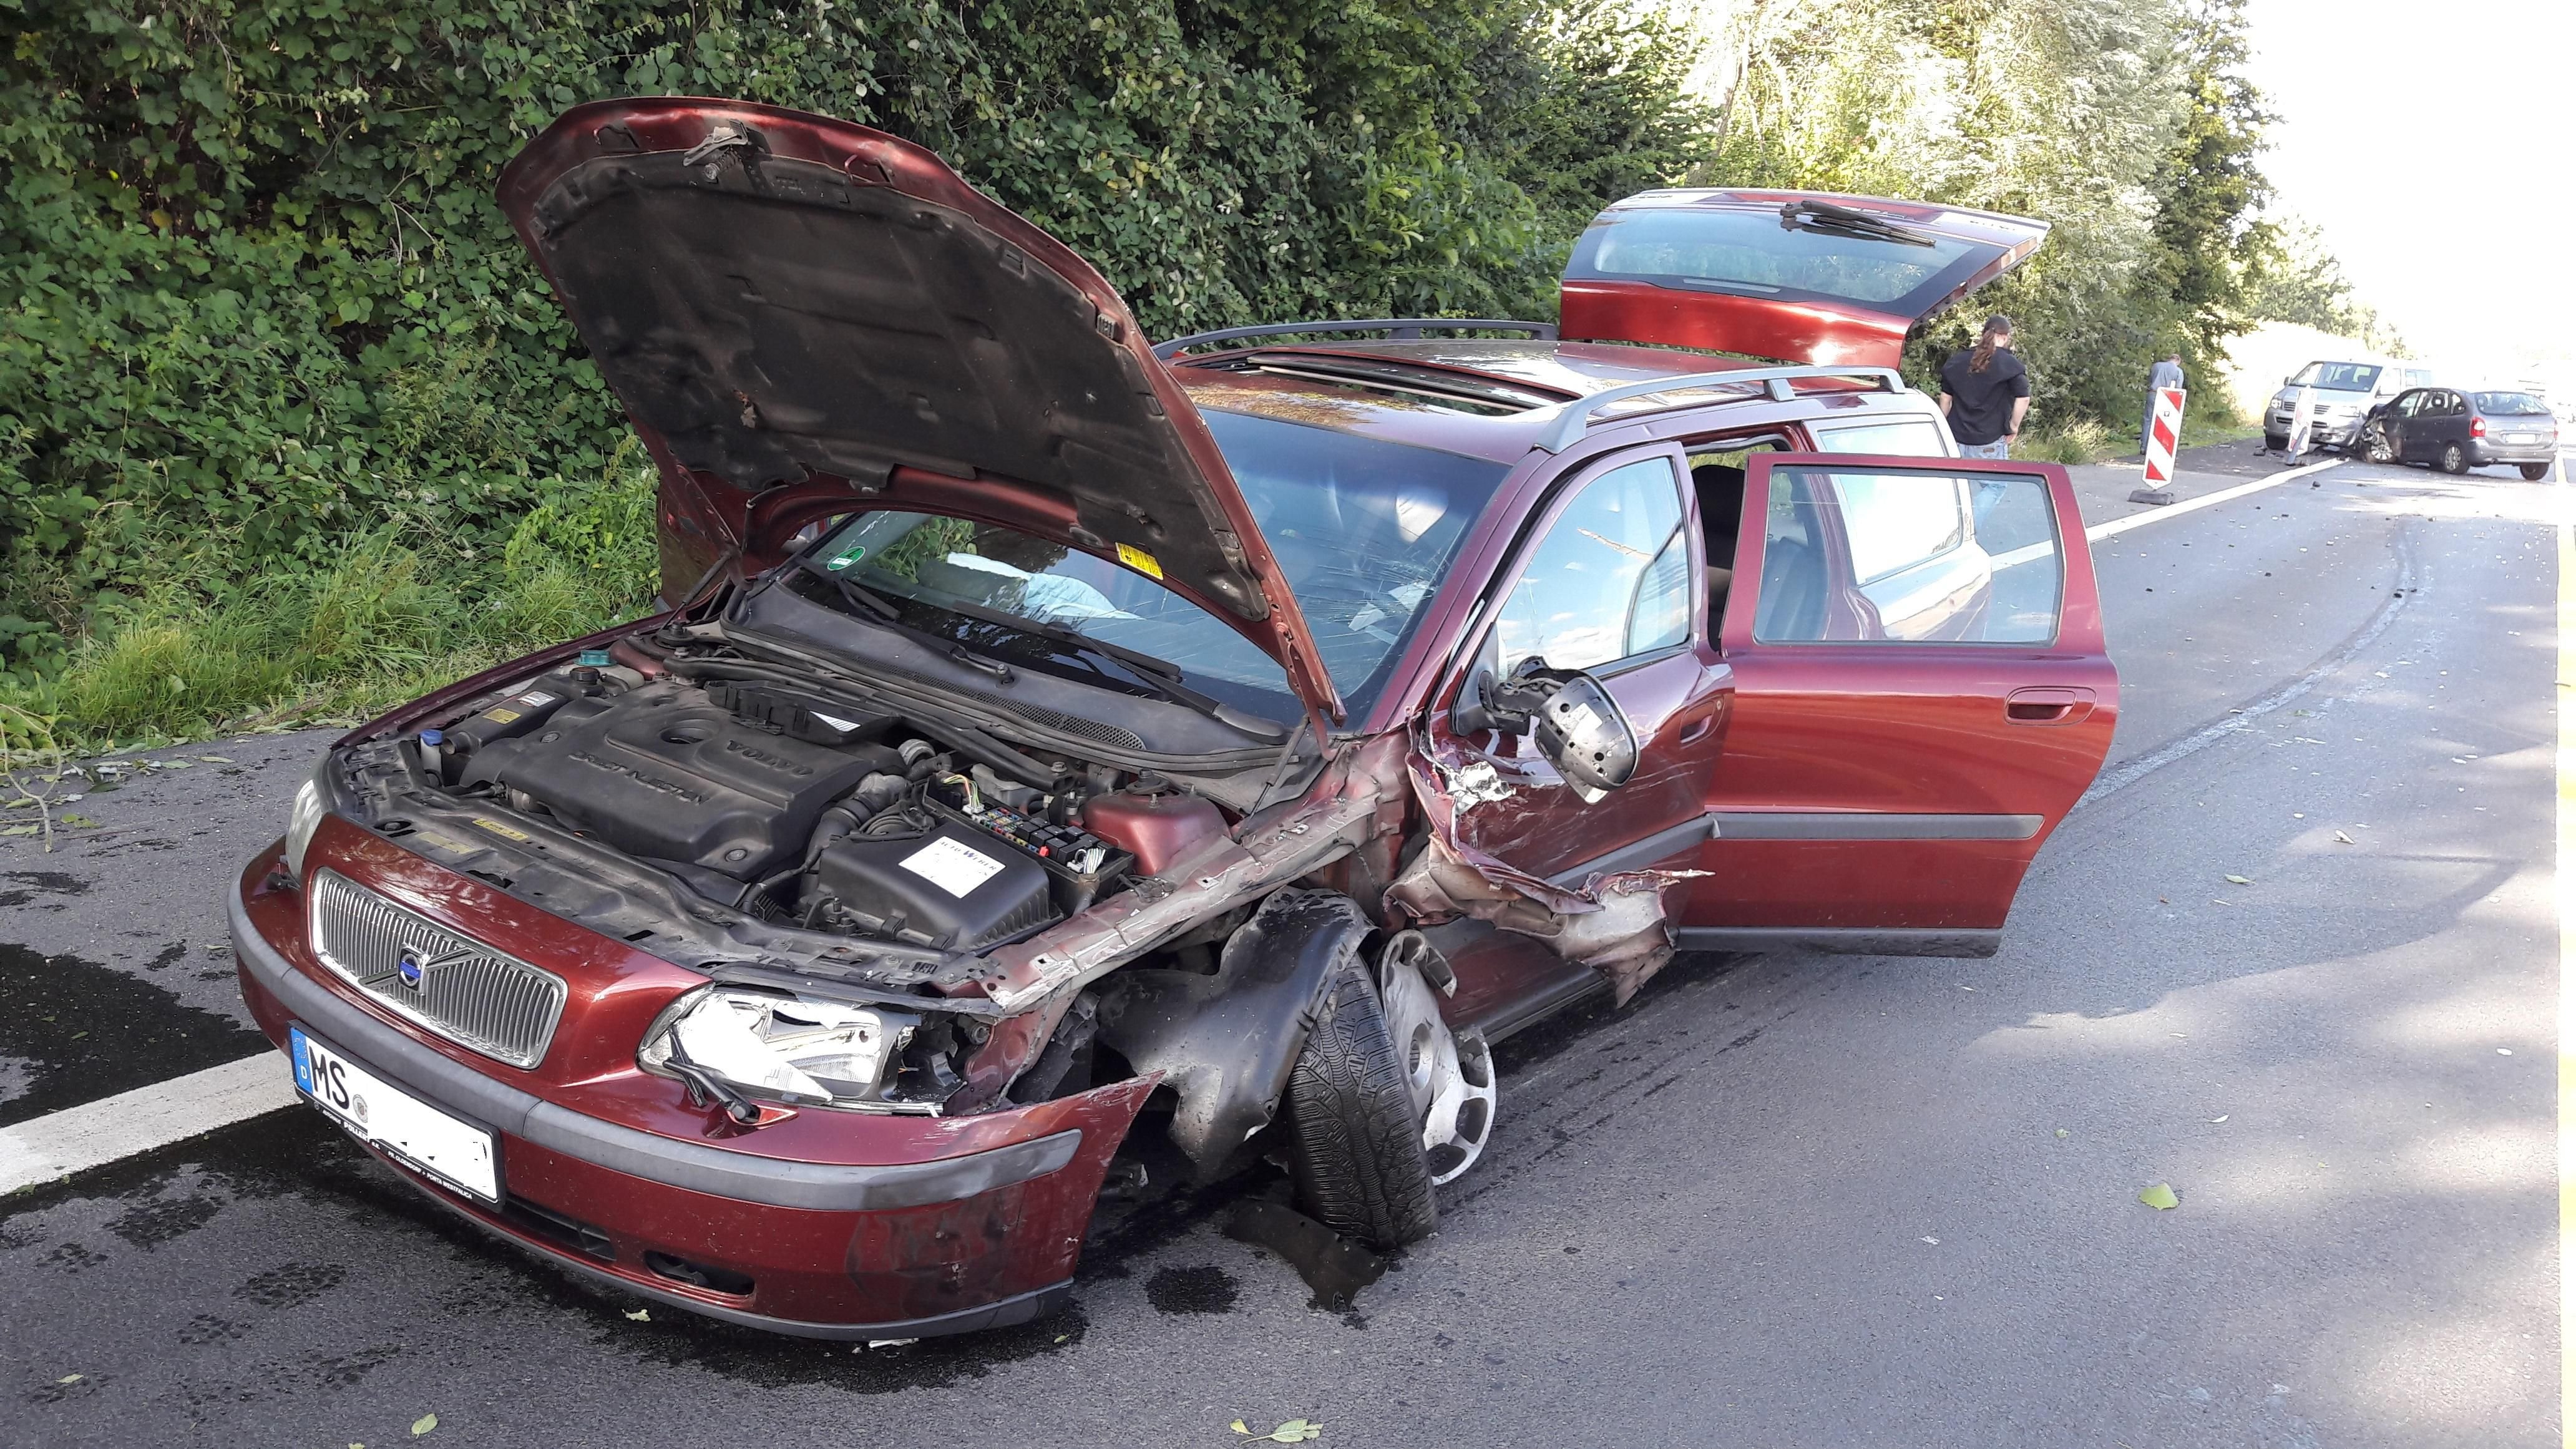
[462,989]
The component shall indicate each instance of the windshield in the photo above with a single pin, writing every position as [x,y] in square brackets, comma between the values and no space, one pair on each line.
[2339,376]
[1750,251]
[2510,405]
[1363,529]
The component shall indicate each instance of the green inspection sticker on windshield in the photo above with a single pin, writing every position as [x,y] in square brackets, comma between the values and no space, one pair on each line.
[847,556]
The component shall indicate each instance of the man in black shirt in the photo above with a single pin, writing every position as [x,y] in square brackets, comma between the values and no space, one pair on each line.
[1985,393]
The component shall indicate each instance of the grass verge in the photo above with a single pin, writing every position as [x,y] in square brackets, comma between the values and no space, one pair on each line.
[390,614]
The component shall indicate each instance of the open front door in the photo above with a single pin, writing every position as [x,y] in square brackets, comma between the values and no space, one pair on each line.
[1921,694]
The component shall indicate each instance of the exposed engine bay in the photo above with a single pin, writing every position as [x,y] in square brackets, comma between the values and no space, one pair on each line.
[785,814]
[765,799]
[919,899]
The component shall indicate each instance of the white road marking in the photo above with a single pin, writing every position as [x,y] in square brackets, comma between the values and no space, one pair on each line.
[2565,696]
[143,1120]
[2101,531]
[2030,553]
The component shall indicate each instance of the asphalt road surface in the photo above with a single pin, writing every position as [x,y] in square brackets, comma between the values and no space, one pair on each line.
[1778,1201]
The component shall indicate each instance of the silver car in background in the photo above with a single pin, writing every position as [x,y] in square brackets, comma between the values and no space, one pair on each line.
[2346,392]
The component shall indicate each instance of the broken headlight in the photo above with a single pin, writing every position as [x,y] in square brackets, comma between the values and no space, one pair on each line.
[795,1049]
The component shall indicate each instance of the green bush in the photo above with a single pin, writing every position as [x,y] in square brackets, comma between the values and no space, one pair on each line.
[256,300]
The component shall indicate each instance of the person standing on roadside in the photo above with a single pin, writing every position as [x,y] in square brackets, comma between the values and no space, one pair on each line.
[1985,393]
[2165,374]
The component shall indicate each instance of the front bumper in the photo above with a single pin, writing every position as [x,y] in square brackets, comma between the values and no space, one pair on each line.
[970,1240]
[2322,432]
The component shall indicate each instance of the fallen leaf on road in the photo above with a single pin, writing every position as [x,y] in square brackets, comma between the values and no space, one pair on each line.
[2062,1132]
[1293,1431]
[423,1425]
[1936,1242]
[2238,880]
[216,759]
[2214,1121]
[640,1315]
[1237,1426]
[2342,839]
[68,1379]
[2160,1197]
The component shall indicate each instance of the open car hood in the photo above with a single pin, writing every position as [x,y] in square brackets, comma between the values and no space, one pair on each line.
[784,299]
[1793,275]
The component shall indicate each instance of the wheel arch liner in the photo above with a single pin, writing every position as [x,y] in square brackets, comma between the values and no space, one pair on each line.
[1226,1043]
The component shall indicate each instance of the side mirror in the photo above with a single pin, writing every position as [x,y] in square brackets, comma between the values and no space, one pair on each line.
[1584,734]
[2290,381]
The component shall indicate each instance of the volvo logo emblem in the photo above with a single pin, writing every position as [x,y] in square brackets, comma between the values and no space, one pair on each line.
[409,969]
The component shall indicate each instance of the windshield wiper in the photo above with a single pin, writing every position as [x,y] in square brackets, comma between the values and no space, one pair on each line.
[1828,219]
[1160,676]
[891,615]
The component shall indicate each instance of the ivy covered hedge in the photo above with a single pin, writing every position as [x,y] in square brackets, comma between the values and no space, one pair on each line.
[256,301]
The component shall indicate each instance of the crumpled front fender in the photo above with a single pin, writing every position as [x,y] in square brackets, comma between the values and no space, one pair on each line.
[1227,1042]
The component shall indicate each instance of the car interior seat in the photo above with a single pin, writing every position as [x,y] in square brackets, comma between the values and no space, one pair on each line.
[1721,517]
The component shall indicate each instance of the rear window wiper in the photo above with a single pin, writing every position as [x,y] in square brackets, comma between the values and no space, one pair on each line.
[1828,219]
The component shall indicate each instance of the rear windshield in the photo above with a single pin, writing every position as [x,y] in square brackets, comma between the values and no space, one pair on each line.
[1750,253]
[2340,376]
[2510,404]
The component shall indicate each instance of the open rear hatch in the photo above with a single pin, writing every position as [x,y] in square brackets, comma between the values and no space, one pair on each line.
[785,299]
[1796,276]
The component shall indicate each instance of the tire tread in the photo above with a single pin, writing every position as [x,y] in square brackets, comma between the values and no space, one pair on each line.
[1355,1150]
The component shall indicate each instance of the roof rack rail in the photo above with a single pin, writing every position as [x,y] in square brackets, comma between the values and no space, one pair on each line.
[1578,415]
[1406,329]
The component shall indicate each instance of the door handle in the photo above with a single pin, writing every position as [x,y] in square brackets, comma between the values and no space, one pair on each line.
[2048,705]
[1697,728]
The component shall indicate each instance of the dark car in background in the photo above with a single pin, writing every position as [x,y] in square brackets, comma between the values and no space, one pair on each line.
[2456,430]
[1060,749]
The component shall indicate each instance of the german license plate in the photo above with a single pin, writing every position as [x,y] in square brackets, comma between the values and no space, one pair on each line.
[2520,437]
[422,1137]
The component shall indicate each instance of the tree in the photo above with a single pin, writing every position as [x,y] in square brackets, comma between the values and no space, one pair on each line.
[2210,190]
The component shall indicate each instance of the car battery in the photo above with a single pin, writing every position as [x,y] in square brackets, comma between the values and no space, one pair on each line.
[1079,862]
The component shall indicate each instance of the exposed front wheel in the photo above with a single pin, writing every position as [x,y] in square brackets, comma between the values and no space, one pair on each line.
[2535,471]
[1450,1074]
[2455,459]
[2375,447]
[1354,1136]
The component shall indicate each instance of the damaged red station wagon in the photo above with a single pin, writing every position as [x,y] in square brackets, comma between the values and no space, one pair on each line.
[1056,740]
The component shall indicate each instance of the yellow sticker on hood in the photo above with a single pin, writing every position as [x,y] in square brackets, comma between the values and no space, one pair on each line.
[501,830]
[1141,561]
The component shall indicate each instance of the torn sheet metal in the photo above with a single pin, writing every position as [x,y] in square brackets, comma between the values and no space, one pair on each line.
[1619,925]
[1359,797]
